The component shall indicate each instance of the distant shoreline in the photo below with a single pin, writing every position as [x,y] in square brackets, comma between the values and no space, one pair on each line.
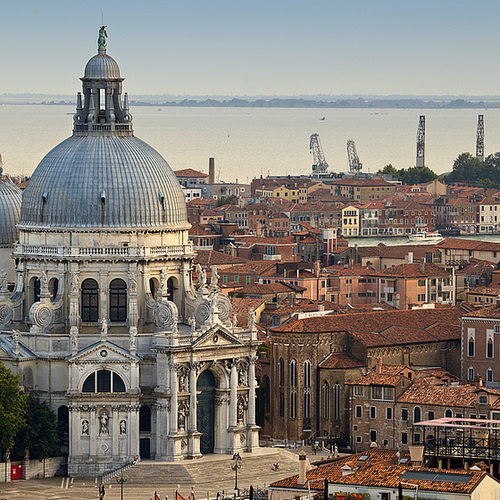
[358,103]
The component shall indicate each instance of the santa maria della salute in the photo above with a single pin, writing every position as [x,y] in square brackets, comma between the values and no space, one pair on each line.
[99,312]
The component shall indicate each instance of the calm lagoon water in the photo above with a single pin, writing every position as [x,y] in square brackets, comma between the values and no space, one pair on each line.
[248,142]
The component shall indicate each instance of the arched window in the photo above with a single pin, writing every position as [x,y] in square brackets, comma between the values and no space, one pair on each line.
[153,287]
[293,389]
[293,373]
[281,405]
[118,301]
[281,374]
[448,413]
[489,375]
[35,290]
[170,289]
[90,300]
[53,287]
[307,389]
[326,400]
[103,381]
[267,395]
[417,414]
[336,402]
[471,347]
[489,348]
[470,373]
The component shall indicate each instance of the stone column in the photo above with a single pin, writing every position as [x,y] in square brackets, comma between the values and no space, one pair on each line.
[192,399]
[233,396]
[103,296]
[251,392]
[93,424]
[114,431]
[173,400]
[134,429]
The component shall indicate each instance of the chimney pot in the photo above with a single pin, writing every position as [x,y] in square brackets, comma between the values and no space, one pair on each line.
[302,468]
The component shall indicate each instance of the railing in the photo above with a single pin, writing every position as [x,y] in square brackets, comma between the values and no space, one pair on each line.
[105,478]
[102,251]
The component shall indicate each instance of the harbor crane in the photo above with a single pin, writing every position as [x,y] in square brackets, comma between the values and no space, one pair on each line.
[320,166]
[480,138]
[421,142]
[355,165]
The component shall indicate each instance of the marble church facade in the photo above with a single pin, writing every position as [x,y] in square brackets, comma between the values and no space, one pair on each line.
[105,320]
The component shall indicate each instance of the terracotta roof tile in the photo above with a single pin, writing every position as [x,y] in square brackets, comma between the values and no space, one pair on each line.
[212,257]
[368,327]
[189,172]
[381,469]
[340,361]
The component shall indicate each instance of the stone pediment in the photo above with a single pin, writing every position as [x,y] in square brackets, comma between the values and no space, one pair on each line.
[103,351]
[217,336]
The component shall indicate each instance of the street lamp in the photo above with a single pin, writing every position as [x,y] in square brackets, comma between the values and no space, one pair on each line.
[120,480]
[236,466]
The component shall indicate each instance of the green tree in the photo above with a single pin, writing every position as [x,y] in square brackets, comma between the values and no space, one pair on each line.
[12,408]
[410,176]
[466,168]
[227,200]
[40,434]
[390,170]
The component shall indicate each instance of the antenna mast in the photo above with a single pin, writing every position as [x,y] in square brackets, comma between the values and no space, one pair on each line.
[421,142]
[355,165]
[320,166]
[480,138]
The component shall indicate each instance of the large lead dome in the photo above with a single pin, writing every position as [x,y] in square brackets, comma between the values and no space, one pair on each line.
[103,176]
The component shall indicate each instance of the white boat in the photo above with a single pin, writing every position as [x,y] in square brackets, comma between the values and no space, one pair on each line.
[425,237]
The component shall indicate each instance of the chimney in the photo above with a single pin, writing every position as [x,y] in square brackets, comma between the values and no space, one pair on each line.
[416,455]
[317,268]
[479,383]
[211,170]
[422,266]
[378,366]
[410,257]
[302,468]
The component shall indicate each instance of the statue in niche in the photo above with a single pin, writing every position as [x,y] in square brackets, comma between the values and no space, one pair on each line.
[240,411]
[182,415]
[103,424]
[242,376]
[123,427]
[182,382]
[235,321]
[85,427]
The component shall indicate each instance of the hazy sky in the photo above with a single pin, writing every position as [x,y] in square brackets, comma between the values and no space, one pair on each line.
[250,47]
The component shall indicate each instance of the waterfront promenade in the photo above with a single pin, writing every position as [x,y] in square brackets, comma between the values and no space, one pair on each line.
[207,475]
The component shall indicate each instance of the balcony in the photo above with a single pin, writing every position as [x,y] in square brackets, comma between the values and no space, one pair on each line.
[271,257]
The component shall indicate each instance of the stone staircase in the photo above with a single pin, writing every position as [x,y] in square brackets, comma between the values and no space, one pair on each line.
[214,471]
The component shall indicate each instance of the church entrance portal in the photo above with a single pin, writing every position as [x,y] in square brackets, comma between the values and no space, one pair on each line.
[205,414]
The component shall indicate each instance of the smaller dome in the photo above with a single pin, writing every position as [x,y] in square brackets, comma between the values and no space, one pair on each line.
[102,66]
[10,206]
